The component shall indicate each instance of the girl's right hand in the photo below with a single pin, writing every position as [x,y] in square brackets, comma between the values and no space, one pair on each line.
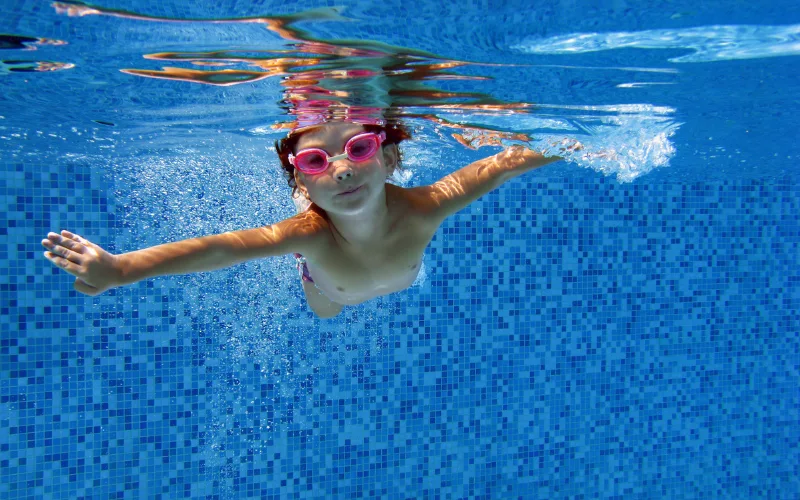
[95,269]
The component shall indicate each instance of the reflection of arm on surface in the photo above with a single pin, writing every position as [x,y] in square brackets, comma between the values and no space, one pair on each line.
[457,190]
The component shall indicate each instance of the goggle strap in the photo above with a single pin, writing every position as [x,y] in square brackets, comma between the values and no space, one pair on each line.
[337,157]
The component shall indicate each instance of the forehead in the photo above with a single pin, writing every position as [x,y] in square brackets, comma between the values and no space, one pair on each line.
[329,134]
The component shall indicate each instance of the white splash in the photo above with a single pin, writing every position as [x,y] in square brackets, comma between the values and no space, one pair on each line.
[625,144]
[625,140]
[422,277]
[710,43]
[401,177]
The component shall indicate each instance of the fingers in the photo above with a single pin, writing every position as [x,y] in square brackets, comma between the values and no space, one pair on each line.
[65,251]
[83,243]
[69,252]
[67,245]
[61,256]
[69,240]
[63,263]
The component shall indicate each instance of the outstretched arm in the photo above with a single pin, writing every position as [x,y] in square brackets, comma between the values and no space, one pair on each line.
[96,270]
[455,191]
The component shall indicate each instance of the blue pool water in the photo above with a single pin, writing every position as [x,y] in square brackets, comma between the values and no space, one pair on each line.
[621,324]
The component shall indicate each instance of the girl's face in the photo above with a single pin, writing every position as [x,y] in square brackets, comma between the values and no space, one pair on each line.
[346,186]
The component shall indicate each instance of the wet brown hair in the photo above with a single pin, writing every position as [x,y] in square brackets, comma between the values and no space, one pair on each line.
[395,134]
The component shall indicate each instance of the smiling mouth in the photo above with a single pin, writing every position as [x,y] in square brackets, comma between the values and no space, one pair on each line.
[351,191]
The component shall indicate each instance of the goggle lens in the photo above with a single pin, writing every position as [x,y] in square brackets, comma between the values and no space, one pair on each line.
[362,148]
[312,161]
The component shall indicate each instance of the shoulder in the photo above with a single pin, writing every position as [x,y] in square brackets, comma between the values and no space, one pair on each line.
[306,232]
[416,206]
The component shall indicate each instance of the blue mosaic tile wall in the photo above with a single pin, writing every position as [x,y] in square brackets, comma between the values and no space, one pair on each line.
[574,338]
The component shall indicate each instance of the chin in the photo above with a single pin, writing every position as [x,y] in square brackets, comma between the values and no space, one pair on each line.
[359,209]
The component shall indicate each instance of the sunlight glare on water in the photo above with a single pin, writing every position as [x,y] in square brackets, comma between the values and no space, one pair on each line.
[707,43]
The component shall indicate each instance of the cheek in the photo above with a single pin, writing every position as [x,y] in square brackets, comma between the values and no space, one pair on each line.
[319,184]
[379,165]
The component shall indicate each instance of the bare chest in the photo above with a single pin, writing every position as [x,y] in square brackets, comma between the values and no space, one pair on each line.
[352,277]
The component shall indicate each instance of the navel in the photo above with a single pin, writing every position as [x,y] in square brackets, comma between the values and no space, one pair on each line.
[340,289]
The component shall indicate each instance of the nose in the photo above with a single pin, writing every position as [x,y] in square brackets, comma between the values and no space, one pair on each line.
[343,170]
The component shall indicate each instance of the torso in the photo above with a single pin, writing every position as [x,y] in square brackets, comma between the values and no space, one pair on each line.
[350,275]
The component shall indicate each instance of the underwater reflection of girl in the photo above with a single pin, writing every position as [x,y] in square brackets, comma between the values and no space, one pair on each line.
[356,236]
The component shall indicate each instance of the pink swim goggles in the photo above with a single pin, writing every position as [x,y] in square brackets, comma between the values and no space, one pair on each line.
[359,148]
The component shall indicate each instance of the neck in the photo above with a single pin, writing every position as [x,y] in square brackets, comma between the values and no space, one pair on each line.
[368,225]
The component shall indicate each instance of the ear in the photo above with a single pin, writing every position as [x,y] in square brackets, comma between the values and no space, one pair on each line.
[390,157]
[301,187]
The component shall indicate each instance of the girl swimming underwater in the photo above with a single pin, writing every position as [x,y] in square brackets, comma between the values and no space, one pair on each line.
[359,238]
